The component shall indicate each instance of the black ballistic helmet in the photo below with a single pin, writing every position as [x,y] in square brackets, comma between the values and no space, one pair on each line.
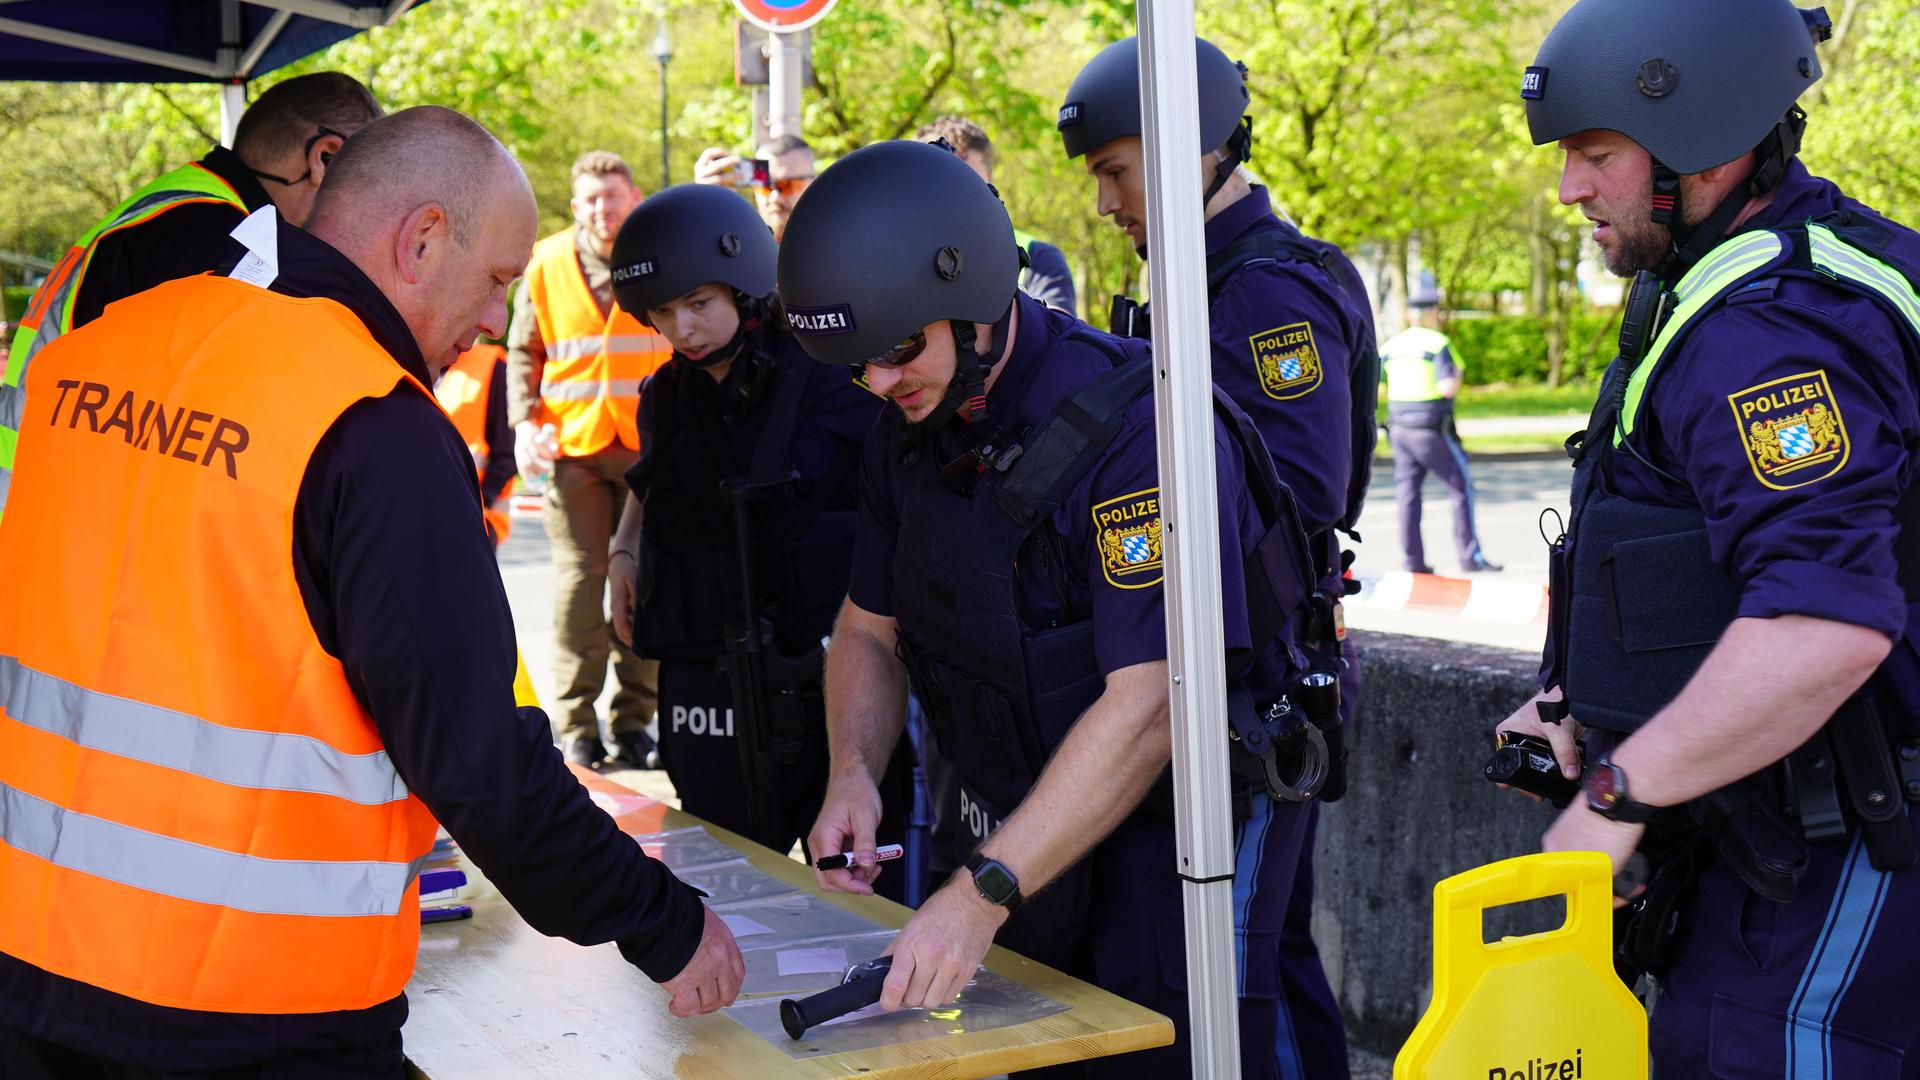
[1103,104]
[889,239]
[1696,83]
[684,237]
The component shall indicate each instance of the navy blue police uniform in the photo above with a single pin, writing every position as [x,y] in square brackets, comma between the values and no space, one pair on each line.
[774,412]
[1011,612]
[1762,463]
[1287,333]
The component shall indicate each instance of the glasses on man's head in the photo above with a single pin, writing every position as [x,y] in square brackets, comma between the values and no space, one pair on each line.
[904,353]
[788,185]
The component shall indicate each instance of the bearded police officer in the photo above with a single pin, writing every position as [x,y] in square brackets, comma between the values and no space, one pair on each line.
[1007,564]
[1738,580]
[740,414]
[1293,345]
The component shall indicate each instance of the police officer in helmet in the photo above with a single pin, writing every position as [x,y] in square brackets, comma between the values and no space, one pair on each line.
[739,412]
[1007,565]
[1293,344]
[1735,593]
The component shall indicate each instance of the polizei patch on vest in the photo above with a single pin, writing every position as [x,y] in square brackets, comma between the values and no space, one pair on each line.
[1792,430]
[833,319]
[1286,360]
[1128,532]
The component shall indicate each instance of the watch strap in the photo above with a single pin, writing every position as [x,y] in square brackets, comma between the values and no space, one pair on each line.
[1012,900]
[1623,807]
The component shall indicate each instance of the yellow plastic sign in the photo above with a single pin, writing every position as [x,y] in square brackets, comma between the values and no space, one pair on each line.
[1546,1006]
[523,692]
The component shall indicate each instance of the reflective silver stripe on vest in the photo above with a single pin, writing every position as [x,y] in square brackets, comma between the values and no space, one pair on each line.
[573,348]
[589,390]
[270,761]
[188,871]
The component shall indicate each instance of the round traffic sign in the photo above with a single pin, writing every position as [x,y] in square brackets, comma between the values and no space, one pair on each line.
[784,15]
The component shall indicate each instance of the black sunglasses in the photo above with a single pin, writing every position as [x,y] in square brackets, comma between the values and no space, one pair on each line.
[904,353]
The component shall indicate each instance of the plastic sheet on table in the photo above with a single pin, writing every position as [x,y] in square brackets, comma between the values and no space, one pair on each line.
[727,882]
[684,849]
[774,920]
[989,1001]
[797,968]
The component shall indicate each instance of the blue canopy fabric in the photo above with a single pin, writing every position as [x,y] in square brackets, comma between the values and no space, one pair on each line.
[173,40]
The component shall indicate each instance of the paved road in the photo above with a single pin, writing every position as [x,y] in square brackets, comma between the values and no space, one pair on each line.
[1511,492]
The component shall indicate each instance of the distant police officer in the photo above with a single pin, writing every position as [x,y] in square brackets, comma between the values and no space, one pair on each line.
[738,413]
[1008,564]
[1740,579]
[1293,345]
[1423,375]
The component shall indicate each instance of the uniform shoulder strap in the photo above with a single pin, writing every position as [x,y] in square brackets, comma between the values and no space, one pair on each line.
[773,453]
[1080,429]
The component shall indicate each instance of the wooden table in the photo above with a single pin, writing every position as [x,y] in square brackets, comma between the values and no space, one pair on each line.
[491,997]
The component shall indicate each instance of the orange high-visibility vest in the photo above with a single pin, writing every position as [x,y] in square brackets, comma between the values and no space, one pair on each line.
[464,390]
[590,389]
[195,810]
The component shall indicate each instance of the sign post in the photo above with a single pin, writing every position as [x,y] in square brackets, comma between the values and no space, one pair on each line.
[784,20]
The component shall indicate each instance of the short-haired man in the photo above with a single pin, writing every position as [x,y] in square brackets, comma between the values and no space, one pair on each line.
[238,702]
[575,361]
[178,224]
[1046,276]
[790,169]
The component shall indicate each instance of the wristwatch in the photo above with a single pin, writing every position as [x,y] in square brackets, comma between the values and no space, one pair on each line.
[995,883]
[1605,785]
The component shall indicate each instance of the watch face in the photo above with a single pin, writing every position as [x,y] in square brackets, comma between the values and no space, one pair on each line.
[1604,786]
[995,882]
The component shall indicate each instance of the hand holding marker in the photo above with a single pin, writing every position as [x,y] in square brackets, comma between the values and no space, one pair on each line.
[841,862]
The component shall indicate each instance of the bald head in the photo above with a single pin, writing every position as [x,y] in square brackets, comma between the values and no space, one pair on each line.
[438,215]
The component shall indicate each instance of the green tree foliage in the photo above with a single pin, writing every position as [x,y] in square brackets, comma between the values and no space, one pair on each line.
[1393,128]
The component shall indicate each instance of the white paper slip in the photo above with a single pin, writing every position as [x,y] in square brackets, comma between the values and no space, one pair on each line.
[742,926]
[812,961]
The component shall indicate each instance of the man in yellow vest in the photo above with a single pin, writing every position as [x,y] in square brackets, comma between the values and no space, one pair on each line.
[177,225]
[265,647]
[575,363]
[1422,372]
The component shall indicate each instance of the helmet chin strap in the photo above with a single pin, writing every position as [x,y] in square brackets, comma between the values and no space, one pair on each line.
[1239,149]
[1691,243]
[968,386]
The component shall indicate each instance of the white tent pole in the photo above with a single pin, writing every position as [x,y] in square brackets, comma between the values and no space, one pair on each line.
[106,47]
[233,102]
[1183,411]
[268,35]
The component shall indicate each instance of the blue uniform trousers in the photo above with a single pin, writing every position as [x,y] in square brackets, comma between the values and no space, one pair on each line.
[1818,989]
[1418,451]
[701,753]
[1133,939]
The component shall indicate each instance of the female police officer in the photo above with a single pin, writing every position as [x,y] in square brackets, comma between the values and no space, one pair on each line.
[1735,627]
[1007,562]
[738,413]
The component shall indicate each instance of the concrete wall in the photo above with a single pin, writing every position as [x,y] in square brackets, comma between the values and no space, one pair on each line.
[1418,810]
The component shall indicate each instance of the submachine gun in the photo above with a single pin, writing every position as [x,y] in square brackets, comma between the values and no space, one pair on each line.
[768,712]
